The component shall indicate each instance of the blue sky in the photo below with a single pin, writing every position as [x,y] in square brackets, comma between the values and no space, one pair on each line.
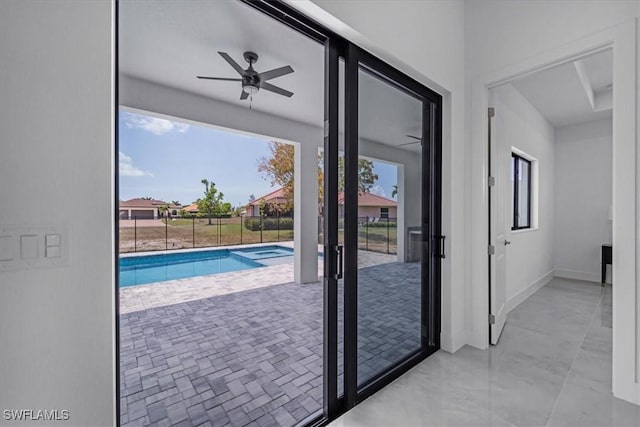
[167,160]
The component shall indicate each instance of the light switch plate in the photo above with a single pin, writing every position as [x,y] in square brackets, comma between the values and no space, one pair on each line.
[29,246]
[52,240]
[52,252]
[24,247]
[7,249]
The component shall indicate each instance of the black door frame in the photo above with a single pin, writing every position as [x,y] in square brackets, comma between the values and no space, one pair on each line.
[432,240]
[336,47]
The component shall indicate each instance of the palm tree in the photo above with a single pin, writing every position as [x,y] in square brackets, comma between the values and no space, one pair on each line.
[395,191]
[163,210]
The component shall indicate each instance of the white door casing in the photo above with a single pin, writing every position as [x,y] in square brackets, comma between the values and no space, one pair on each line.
[498,194]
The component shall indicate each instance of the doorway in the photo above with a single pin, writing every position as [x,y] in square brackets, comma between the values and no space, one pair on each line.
[380,311]
[550,187]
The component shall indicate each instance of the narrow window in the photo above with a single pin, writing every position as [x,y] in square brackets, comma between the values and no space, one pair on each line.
[521,193]
[384,212]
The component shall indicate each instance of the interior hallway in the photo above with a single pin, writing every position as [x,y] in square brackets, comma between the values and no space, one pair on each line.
[551,367]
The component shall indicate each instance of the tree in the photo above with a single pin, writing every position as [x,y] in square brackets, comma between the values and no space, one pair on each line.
[212,202]
[251,198]
[279,169]
[366,177]
[395,191]
[164,209]
[175,203]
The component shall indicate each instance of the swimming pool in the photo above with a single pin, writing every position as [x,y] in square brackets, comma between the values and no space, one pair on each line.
[139,270]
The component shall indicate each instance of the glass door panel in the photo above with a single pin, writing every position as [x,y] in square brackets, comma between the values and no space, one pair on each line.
[389,216]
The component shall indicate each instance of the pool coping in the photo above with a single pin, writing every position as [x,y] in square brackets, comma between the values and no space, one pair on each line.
[287,244]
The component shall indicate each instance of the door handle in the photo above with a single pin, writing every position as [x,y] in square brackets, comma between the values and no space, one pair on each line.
[506,242]
[339,252]
[443,248]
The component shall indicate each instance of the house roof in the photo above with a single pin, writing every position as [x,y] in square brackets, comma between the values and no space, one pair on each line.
[276,196]
[369,199]
[145,203]
[193,207]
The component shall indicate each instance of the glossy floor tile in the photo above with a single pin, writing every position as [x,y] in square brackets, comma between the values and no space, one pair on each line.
[552,366]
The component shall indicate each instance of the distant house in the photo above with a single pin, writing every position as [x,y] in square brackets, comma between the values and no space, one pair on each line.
[192,209]
[371,206]
[145,209]
[271,202]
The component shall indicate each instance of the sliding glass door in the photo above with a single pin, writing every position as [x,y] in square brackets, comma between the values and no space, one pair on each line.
[382,194]
[381,236]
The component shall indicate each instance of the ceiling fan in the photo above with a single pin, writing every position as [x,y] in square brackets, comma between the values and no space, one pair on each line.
[253,81]
[418,141]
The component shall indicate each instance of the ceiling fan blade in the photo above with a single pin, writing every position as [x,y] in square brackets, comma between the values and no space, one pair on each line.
[219,78]
[233,63]
[276,72]
[414,137]
[275,89]
[244,95]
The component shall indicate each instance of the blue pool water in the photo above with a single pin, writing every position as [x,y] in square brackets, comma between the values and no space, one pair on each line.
[138,270]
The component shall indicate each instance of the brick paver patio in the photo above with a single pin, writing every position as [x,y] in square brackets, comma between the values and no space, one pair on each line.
[255,357]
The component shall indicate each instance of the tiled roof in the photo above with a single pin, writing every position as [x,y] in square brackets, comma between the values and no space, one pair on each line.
[369,199]
[275,196]
[145,203]
[191,208]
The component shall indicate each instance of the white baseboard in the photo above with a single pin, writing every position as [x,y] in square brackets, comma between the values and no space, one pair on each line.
[453,342]
[577,275]
[518,298]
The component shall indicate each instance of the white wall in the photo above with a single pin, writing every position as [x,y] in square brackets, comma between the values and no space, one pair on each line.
[530,259]
[57,325]
[583,197]
[426,41]
[504,38]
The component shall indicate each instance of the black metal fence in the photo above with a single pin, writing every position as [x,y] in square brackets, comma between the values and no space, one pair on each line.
[374,234]
[199,232]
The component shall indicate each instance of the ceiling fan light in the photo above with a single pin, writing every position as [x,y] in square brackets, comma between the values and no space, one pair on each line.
[251,89]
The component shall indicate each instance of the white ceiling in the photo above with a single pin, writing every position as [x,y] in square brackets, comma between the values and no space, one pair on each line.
[169,43]
[562,96]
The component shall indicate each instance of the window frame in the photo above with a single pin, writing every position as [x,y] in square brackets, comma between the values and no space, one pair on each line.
[514,176]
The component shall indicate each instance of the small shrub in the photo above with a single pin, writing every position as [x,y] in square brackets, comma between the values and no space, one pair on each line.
[254,223]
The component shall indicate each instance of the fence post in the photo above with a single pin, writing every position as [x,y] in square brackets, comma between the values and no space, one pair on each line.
[261,224]
[166,234]
[241,227]
[387,234]
[193,231]
[278,227]
[218,230]
[366,233]
[135,233]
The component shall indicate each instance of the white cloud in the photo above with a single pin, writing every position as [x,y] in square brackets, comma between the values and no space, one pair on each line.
[127,168]
[378,191]
[153,124]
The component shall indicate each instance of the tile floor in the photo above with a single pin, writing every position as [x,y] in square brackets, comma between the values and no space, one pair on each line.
[552,367]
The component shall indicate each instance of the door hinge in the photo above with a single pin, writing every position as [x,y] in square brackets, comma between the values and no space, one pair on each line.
[492,319]
[492,250]
[492,111]
[492,181]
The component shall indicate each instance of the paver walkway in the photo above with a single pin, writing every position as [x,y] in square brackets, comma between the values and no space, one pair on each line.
[255,357]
